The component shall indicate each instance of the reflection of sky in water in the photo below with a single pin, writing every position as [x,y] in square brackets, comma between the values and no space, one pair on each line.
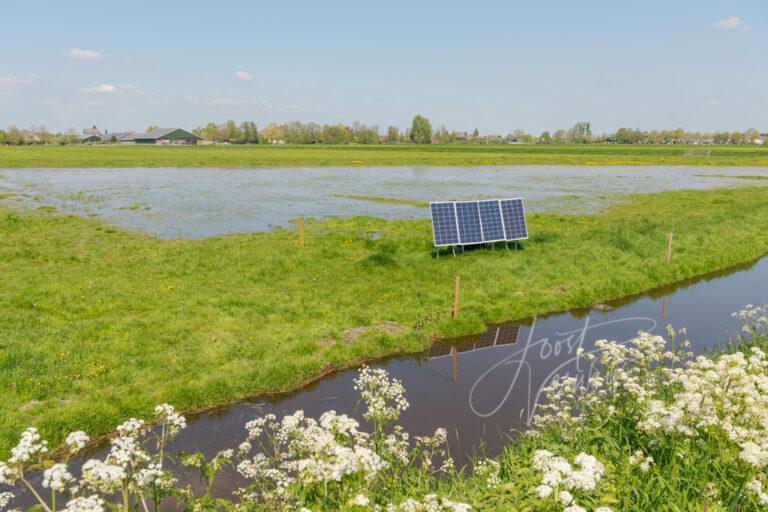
[196,203]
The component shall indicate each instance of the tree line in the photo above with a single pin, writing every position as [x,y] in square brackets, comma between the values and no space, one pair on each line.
[420,131]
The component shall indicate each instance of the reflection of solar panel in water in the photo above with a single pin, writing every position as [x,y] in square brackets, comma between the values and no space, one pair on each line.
[468,219]
[513,214]
[493,337]
[490,216]
[444,223]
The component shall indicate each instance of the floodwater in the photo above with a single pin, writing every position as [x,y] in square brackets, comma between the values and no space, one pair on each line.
[481,388]
[196,203]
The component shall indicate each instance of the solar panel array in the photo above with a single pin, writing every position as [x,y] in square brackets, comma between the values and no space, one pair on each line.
[477,222]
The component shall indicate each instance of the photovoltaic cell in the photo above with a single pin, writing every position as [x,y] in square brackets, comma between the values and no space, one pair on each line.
[444,224]
[468,219]
[513,215]
[477,222]
[490,217]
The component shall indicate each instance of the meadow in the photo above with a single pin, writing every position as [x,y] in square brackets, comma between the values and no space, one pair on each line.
[383,155]
[99,324]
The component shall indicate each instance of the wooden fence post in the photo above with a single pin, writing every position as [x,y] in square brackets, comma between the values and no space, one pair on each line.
[669,247]
[301,231]
[456,297]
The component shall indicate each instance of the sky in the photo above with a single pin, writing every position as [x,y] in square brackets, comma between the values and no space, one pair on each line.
[492,65]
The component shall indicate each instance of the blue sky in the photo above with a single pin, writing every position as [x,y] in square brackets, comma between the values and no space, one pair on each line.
[494,65]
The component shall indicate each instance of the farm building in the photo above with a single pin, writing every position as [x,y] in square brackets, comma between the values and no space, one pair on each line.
[163,136]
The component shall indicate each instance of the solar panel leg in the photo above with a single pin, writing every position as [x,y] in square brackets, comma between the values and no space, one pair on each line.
[453,248]
[506,244]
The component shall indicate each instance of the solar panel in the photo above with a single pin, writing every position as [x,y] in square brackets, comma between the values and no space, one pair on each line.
[477,222]
[490,216]
[513,215]
[468,219]
[444,224]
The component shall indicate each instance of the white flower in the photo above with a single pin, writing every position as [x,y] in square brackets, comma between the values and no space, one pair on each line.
[101,476]
[565,497]
[85,504]
[384,397]
[7,475]
[76,441]
[29,446]
[57,477]
[574,508]
[5,499]
[169,417]
[544,491]
[361,500]
[131,428]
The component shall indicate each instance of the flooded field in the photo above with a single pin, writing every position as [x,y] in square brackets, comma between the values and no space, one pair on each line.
[195,203]
[484,388]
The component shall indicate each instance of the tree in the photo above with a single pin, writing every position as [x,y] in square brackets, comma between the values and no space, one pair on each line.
[149,128]
[393,135]
[475,133]
[581,132]
[421,130]
[545,137]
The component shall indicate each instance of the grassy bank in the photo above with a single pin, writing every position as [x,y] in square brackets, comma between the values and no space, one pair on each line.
[318,156]
[97,324]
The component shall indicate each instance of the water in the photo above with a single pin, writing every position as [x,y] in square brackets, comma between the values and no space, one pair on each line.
[483,387]
[195,203]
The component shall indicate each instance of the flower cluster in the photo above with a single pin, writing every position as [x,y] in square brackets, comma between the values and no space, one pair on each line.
[430,503]
[753,319]
[383,396]
[560,479]
[729,393]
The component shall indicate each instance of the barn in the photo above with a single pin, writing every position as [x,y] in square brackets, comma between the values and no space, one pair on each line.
[165,136]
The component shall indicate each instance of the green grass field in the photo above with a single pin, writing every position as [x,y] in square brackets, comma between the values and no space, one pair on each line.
[98,324]
[385,155]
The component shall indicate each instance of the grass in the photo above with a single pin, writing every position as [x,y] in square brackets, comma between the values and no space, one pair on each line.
[385,155]
[385,200]
[99,324]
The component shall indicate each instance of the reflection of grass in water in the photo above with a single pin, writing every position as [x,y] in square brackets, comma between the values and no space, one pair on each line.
[385,200]
[739,177]
[135,206]
[81,197]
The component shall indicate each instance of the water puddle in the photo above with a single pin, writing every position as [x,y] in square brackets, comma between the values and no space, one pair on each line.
[483,387]
[196,203]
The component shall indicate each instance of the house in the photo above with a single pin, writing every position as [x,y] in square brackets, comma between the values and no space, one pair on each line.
[115,136]
[90,138]
[163,136]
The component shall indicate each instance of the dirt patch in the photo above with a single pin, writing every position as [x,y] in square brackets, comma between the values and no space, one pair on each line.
[354,334]
[29,405]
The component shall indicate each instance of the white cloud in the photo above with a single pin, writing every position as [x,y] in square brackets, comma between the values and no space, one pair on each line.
[713,103]
[732,23]
[191,98]
[243,76]
[9,81]
[109,88]
[79,53]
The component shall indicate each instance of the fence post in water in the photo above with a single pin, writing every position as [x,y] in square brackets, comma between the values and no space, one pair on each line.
[456,297]
[301,231]
[669,247]
[455,354]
